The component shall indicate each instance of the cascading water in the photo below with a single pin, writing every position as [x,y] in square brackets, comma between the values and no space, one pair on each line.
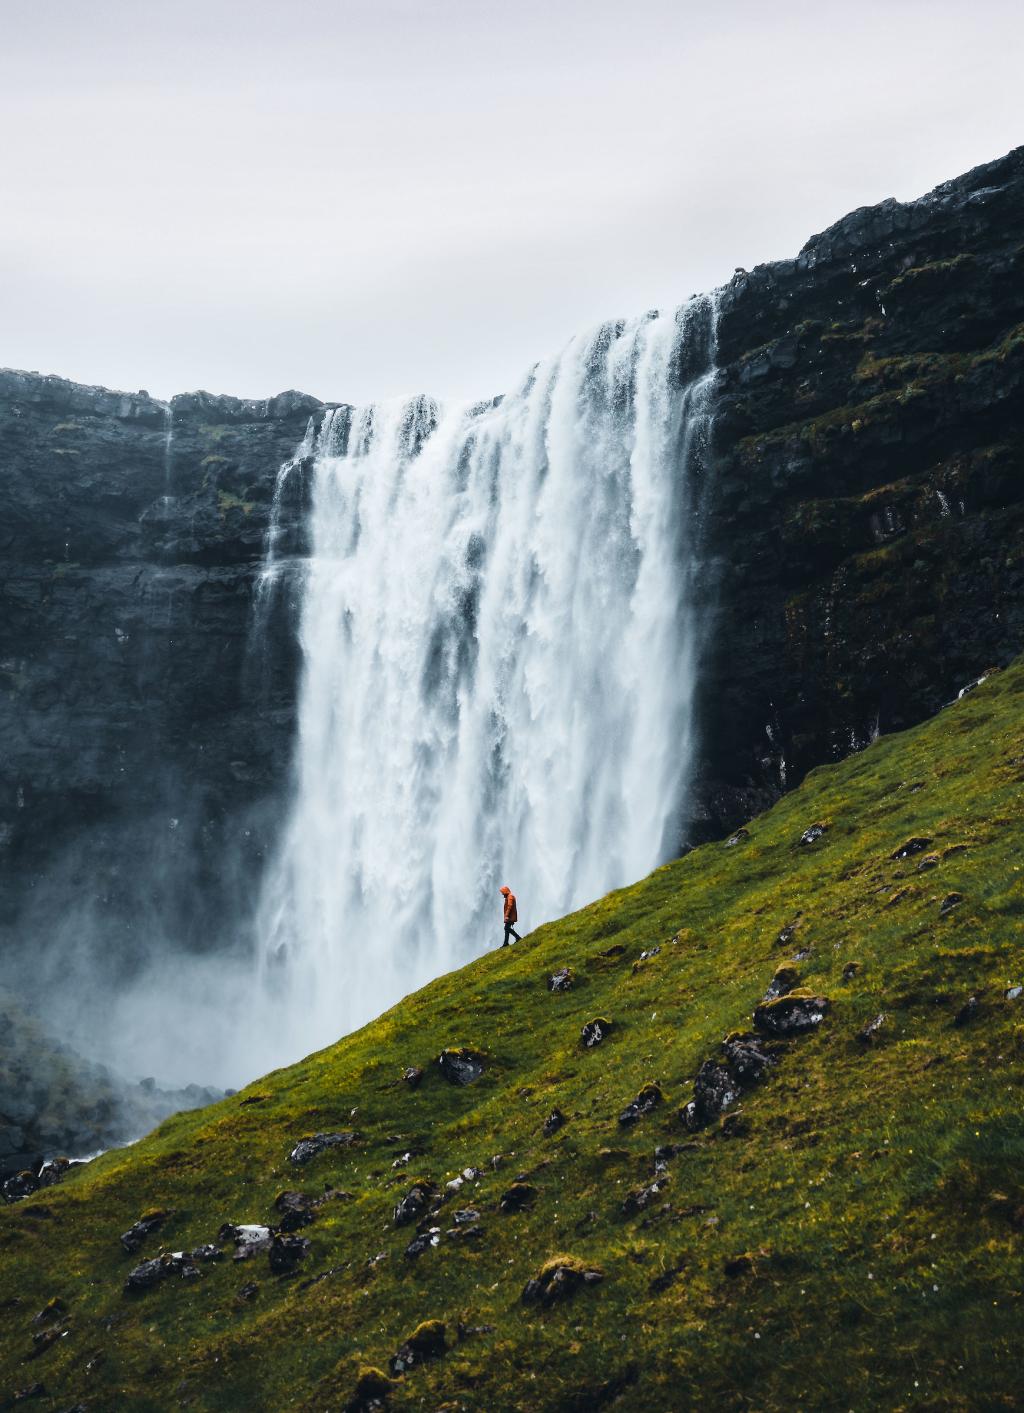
[499,652]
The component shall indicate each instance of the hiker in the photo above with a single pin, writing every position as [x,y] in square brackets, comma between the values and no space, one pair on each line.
[511,916]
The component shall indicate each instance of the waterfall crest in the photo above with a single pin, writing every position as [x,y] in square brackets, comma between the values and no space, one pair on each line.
[499,659]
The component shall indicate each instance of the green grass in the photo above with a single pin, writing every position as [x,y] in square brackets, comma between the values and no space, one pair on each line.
[856,1244]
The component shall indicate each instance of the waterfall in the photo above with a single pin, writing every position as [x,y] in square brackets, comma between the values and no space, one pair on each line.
[499,658]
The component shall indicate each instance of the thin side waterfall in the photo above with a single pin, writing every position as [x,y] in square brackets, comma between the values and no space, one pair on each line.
[499,660]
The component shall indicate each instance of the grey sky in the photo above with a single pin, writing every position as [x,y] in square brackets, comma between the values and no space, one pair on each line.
[366,199]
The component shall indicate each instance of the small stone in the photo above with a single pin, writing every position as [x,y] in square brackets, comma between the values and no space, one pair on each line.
[928,862]
[52,1171]
[642,1197]
[813,833]
[968,1012]
[427,1341]
[21,1185]
[714,1090]
[558,1279]
[949,902]
[645,1101]
[414,1203]
[850,970]
[460,1066]
[412,1076]
[796,1014]
[136,1234]
[594,1032]
[286,1251]
[553,1122]
[911,847]
[423,1242]
[869,1034]
[740,837]
[249,1291]
[309,1148]
[518,1197]
[785,978]
[465,1216]
[561,980]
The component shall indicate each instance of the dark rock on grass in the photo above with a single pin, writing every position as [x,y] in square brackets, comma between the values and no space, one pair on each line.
[553,1122]
[460,1066]
[150,1273]
[21,1185]
[468,1331]
[207,1252]
[286,1251]
[642,1197]
[661,1283]
[741,1265]
[714,1090]
[645,956]
[667,1151]
[949,902]
[370,1393]
[911,847]
[740,837]
[928,862]
[850,970]
[561,980]
[426,1342]
[54,1309]
[871,1031]
[648,1098]
[136,1234]
[785,978]
[249,1291]
[518,1197]
[746,1056]
[414,1204]
[52,1171]
[412,1076]
[594,1032]
[309,1148]
[297,1209]
[43,1340]
[796,1014]
[615,950]
[247,1238]
[968,1012]
[422,1242]
[558,1279]
[812,834]
[465,1216]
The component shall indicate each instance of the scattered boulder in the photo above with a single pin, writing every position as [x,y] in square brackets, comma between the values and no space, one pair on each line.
[249,1291]
[968,1012]
[286,1251]
[465,1216]
[553,1122]
[21,1185]
[309,1148]
[746,1057]
[427,1341]
[870,1033]
[594,1032]
[52,1171]
[740,837]
[949,902]
[785,978]
[412,1076]
[642,1197]
[813,833]
[136,1234]
[645,1101]
[150,1273]
[561,980]
[795,1014]
[422,1242]
[928,862]
[460,1066]
[714,1090]
[558,1279]
[414,1204]
[518,1197]
[248,1238]
[911,847]
[297,1210]
[370,1393]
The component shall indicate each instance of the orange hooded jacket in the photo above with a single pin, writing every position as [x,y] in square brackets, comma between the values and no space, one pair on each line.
[510,905]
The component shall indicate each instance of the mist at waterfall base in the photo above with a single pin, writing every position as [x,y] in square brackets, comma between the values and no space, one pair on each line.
[500,649]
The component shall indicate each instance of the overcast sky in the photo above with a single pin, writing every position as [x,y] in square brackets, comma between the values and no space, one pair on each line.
[368,198]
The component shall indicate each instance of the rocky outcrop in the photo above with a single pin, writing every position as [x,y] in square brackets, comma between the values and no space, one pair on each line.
[865,521]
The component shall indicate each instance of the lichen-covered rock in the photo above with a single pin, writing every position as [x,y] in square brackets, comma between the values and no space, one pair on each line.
[309,1148]
[714,1090]
[460,1066]
[785,978]
[740,837]
[594,1032]
[412,1076]
[645,1101]
[427,1341]
[248,1238]
[297,1209]
[796,1014]
[132,1239]
[746,1057]
[561,980]
[414,1204]
[558,1279]
[150,1273]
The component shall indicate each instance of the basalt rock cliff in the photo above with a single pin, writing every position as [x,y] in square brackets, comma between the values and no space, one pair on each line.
[862,535]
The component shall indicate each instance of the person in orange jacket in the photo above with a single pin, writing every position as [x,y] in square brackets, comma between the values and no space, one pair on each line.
[511,915]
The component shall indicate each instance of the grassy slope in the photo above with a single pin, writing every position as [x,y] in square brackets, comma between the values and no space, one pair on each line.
[875,1188]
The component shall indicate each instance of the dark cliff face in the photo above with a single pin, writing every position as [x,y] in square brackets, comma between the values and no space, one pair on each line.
[863,530]
[146,729]
[867,510]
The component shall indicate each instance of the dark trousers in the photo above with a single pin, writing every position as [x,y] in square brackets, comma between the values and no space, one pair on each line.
[510,929]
